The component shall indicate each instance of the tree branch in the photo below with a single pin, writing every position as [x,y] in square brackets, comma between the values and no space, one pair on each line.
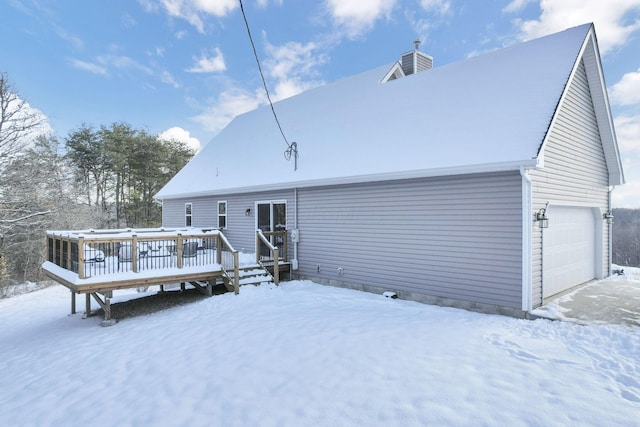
[14,220]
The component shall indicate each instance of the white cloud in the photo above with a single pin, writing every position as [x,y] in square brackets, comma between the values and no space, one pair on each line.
[626,196]
[265,3]
[193,10]
[438,6]
[628,134]
[290,69]
[229,104]
[89,66]
[22,114]
[167,77]
[209,64]
[123,62]
[423,23]
[127,20]
[105,64]
[627,90]
[294,66]
[613,19]
[70,38]
[516,6]
[181,135]
[356,17]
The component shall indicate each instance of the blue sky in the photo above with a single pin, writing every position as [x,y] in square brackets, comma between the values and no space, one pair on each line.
[185,68]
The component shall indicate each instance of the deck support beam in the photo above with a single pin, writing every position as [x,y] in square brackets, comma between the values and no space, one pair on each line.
[87,310]
[73,302]
[204,290]
[105,304]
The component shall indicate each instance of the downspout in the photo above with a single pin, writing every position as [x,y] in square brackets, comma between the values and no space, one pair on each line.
[294,261]
[610,234]
[526,240]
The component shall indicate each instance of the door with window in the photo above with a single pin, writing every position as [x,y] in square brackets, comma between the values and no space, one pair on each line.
[271,219]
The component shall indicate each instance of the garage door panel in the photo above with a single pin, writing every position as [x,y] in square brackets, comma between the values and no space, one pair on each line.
[568,249]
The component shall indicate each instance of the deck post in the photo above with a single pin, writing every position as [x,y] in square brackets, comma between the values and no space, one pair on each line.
[219,250]
[236,273]
[69,257]
[179,244]
[87,312]
[134,253]
[107,309]
[285,249]
[257,246]
[81,272]
[73,302]
[276,267]
[210,287]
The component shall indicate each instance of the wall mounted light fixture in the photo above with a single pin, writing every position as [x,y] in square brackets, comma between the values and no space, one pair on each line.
[541,217]
[608,216]
[247,212]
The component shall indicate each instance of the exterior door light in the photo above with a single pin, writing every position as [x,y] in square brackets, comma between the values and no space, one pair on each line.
[541,217]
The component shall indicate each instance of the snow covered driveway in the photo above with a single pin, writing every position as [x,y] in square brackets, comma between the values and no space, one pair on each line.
[302,354]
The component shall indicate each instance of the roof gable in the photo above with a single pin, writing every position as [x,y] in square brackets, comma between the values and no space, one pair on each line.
[487,113]
[590,55]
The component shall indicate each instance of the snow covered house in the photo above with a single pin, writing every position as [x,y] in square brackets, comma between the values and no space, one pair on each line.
[483,184]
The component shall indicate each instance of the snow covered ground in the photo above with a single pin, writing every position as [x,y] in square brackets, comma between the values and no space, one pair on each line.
[303,354]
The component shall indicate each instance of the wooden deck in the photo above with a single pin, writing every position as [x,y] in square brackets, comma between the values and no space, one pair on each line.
[98,262]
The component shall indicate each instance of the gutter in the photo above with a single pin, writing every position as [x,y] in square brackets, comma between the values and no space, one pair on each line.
[357,179]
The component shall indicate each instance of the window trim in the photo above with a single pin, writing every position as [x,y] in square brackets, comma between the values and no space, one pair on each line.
[188,214]
[225,214]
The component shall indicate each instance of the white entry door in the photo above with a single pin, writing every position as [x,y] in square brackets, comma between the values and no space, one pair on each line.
[568,249]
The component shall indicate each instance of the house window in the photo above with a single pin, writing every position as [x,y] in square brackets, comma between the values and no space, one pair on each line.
[187,214]
[222,214]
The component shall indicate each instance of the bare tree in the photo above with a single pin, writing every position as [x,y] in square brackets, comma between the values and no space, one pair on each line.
[626,237]
[18,120]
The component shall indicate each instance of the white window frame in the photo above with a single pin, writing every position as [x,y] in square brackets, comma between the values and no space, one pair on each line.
[188,214]
[225,214]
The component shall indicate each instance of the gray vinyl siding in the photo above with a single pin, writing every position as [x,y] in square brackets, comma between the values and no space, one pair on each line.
[449,237]
[575,171]
[240,228]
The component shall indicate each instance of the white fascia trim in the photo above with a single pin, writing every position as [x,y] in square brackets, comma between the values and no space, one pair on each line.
[387,176]
[565,91]
[396,67]
[602,108]
[527,236]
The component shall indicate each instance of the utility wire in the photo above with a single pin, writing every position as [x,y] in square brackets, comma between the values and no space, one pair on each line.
[292,148]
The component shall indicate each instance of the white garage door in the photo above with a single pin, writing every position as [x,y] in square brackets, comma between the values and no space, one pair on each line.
[569,249]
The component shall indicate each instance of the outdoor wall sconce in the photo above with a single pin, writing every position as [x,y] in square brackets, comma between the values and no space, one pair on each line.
[608,216]
[247,212]
[541,217]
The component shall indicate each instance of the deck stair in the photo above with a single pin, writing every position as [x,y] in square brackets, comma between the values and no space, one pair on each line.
[254,274]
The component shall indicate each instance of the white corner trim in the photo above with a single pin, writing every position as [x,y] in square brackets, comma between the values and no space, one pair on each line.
[527,286]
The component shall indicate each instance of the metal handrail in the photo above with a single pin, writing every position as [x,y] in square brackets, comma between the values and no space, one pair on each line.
[260,237]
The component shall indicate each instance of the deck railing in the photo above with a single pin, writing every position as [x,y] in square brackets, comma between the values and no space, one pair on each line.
[91,253]
[271,249]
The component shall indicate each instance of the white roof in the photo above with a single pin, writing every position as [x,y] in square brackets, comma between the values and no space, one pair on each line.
[487,113]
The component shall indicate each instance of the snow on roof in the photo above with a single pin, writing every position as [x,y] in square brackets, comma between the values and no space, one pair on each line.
[486,113]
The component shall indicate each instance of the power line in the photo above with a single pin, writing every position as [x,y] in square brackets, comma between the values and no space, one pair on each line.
[292,148]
